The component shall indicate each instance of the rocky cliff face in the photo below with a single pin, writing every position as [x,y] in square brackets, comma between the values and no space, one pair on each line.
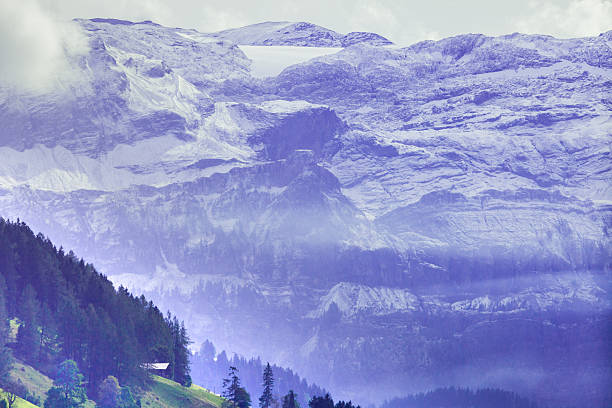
[382,219]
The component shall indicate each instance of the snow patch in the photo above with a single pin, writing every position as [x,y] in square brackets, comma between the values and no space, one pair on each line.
[352,299]
[269,61]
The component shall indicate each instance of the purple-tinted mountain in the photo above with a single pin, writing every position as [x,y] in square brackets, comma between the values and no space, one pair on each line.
[297,34]
[383,220]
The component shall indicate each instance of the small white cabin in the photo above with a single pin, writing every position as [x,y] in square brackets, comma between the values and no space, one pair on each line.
[155,367]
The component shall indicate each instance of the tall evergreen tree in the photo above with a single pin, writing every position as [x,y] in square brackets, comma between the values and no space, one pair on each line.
[265,401]
[207,351]
[7,269]
[27,335]
[290,401]
[47,327]
[181,353]
[6,359]
[231,388]
[243,399]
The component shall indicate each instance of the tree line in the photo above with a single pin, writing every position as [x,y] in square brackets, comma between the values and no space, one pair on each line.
[462,398]
[236,396]
[209,367]
[67,311]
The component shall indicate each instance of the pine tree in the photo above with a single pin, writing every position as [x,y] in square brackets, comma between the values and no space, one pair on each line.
[343,404]
[181,354]
[265,401]
[7,268]
[289,400]
[27,335]
[243,399]
[207,351]
[47,327]
[321,402]
[231,388]
[6,359]
[126,340]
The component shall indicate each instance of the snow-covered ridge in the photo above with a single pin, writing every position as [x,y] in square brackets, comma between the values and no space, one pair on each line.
[543,293]
[352,299]
[296,34]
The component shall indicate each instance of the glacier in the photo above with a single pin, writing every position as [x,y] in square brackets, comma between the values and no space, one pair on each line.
[392,218]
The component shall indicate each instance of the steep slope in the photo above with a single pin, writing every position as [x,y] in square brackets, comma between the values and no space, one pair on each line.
[165,393]
[162,393]
[394,219]
[68,311]
[36,385]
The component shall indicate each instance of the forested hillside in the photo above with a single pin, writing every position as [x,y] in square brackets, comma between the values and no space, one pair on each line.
[65,309]
[55,307]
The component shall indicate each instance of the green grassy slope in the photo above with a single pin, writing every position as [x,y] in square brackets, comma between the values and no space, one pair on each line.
[36,382]
[162,393]
[19,403]
[165,393]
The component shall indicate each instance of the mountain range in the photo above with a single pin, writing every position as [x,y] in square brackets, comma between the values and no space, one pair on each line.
[384,219]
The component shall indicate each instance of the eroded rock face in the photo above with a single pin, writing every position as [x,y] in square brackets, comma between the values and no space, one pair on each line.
[394,218]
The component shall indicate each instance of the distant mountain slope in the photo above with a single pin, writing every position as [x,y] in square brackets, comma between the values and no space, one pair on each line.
[395,219]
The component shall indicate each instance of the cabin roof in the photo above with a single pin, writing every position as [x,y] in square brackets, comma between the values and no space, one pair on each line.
[155,366]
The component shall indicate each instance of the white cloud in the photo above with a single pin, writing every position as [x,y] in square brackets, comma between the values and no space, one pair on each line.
[34,47]
[578,18]
[390,19]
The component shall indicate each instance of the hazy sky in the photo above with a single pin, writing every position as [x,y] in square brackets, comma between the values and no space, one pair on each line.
[402,21]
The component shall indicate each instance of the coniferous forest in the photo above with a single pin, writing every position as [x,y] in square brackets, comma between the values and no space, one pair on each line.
[66,310]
